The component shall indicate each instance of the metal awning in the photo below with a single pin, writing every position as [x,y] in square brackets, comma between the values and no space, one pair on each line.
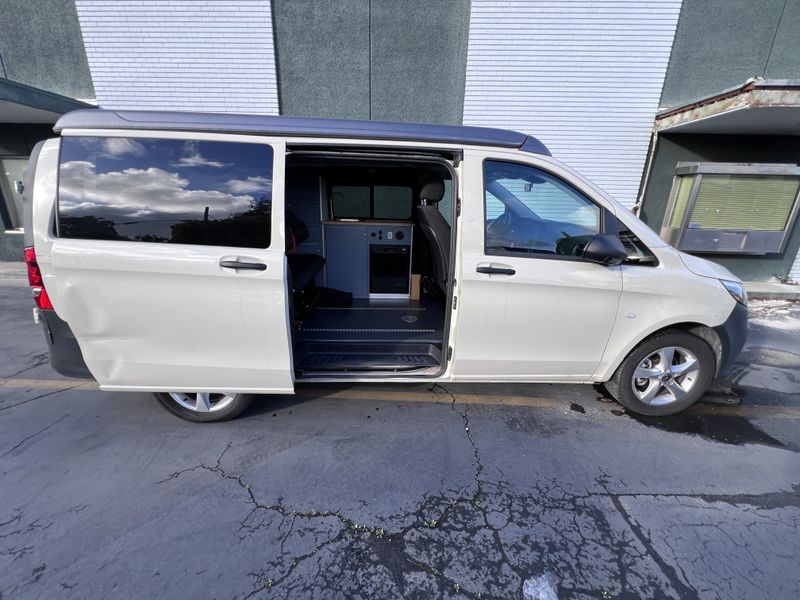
[759,107]
[20,103]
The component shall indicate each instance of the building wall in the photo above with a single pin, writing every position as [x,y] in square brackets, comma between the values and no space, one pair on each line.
[41,46]
[722,43]
[323,57]
[372,59]
[794,273]
[195,55]
[584,76]
[673,148]
[16,141]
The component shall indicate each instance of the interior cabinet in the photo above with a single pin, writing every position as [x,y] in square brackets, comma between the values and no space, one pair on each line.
[368,259]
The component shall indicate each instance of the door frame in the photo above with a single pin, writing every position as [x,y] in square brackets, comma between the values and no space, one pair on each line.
[404,152]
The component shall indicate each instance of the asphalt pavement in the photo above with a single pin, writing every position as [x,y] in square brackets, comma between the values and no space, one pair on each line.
[461,491]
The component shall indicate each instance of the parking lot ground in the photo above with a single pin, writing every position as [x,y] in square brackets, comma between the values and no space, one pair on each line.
[476,491]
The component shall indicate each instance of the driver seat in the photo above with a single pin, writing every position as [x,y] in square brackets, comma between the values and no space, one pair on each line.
[436,229]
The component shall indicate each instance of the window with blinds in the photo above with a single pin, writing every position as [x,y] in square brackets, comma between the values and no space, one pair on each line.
[730,208]
[749,202]
[681,201]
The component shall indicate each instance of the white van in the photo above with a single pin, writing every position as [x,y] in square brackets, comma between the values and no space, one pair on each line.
[207,258]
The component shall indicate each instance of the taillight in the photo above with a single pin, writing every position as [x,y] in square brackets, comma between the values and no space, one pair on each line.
[35,280]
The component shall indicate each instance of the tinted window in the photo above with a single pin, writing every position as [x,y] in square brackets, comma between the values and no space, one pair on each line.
[350,201]
[155,190]
[392,202]
[529,210]
[367,201]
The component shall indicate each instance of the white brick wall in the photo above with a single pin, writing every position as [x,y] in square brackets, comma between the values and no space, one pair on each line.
[193,55]
[794,274]
[584,76]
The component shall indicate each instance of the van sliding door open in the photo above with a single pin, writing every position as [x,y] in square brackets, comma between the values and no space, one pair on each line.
[167,258]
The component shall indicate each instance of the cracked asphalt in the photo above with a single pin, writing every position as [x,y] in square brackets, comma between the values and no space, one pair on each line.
[457,491]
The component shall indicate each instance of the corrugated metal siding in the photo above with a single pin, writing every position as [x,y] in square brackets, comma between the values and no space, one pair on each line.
[585,77]
[209,55]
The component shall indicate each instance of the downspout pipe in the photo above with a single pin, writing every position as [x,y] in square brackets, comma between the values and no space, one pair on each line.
[648,165]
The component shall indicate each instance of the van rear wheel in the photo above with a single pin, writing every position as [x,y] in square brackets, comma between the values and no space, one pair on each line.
[204,408]
[664,375]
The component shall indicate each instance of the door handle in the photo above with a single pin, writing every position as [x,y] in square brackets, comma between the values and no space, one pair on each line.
[240,264]
[495,270]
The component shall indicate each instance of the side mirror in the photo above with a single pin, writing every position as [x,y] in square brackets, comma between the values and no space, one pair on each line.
[605,249]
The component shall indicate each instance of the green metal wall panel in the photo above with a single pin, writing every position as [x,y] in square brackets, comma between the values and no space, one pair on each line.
[372,59]
[719,44]
[41,46]
[419,58]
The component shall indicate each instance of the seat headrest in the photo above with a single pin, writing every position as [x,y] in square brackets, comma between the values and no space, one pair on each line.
[432,188]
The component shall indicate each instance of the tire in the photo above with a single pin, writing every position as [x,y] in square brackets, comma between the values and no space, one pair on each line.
[216,407]
[664,375]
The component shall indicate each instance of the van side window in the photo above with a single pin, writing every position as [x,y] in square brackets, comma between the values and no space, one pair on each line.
[168,191]
[351,201]
[371,201]
[392,202]
[528,210]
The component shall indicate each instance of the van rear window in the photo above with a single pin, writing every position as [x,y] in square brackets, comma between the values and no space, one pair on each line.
[169,191]
[389,202]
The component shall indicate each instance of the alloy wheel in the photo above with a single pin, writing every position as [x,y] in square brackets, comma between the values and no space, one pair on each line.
[203,402]
[665,376]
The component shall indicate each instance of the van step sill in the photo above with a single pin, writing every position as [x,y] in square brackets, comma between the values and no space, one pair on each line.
[365,362]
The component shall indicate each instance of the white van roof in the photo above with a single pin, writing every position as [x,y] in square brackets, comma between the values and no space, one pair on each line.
[298,126]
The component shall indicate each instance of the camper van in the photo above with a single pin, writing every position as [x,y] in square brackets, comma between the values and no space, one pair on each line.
[207,258]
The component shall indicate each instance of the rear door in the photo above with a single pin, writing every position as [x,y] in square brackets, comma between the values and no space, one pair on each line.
[529,307]
[164,253]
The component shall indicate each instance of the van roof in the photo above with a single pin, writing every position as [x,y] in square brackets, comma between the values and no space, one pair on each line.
[298,126]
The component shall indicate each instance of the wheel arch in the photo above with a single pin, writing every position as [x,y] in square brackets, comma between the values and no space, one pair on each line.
[699,330]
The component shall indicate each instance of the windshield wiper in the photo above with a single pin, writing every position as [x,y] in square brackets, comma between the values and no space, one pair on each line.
[520,249]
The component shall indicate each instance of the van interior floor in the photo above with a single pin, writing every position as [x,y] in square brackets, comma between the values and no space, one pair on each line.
[370,335]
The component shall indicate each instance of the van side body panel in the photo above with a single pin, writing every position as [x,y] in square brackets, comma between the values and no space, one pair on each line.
[655,298]
[165,317]
[115,303]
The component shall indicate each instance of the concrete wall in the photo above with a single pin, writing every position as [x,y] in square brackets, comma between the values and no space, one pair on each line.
[322,53]
[200,55]
[41,46]
[419,57]
[721,43]
[378,59]
[722,148]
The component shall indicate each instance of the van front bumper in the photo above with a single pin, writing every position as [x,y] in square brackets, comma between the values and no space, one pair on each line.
[732,334]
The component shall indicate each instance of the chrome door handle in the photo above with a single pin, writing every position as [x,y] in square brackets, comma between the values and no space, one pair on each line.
[493,270]
[239,264]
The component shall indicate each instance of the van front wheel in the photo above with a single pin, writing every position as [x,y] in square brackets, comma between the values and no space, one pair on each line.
[664,375]
[204,408]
